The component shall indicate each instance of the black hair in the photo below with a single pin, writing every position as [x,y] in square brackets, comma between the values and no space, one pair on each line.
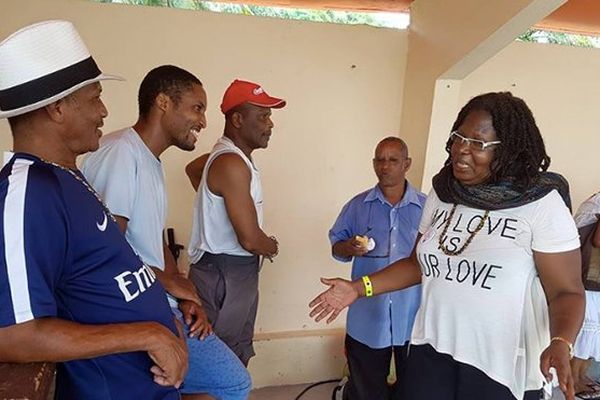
[13,122]
[240,108]
[522,155]
[167,79]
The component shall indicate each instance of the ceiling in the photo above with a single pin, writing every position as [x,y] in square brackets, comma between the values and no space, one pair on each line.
[575,16]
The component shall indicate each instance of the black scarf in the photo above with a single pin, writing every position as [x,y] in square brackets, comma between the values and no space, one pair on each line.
[499,195]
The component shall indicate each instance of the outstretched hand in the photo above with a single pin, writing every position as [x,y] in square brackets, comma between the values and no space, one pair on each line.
[331,302]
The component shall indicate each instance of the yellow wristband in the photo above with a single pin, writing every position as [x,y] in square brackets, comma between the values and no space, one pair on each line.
[368,286]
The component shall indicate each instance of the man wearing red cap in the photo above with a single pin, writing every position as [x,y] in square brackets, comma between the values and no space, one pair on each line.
[227,237]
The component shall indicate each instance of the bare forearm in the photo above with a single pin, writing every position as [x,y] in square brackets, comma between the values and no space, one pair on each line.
[259,243]
[52,339]
[596,237]
[349,248]
[566,315]
[399,275]
[177,285]
[194,179]
[194,170]
[560,276]
[341,249]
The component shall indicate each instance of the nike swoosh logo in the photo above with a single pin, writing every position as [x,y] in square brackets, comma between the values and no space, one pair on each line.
[102,227]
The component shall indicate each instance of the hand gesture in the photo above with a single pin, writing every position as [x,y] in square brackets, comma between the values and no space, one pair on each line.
[195,318]
[170,356]
[557,355]
[273,249]
[331,302]
[355,247]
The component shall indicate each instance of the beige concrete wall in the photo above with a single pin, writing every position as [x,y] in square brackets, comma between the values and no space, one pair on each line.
[344,88]
[448,40]
[343,85]
[560,84]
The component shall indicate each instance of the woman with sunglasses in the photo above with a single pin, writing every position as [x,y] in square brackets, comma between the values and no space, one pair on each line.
[497,255]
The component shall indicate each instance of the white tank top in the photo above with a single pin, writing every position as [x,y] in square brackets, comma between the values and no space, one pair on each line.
[211,228]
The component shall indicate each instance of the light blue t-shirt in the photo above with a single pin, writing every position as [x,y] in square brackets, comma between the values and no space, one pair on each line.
[114,171]
[384,320]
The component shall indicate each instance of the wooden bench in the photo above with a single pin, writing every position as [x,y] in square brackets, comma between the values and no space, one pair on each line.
[27,381]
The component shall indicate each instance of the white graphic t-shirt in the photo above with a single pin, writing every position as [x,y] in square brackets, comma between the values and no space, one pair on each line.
[486,307]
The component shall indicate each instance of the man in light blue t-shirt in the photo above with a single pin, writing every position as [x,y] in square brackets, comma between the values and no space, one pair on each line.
[128,174]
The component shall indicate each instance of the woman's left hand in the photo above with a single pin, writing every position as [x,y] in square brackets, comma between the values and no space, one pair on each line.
[557,355]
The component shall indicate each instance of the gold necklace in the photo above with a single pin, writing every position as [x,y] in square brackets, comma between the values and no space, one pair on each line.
[85,184]
[443,236]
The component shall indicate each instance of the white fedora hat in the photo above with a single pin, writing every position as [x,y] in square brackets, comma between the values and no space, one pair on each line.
[43,63]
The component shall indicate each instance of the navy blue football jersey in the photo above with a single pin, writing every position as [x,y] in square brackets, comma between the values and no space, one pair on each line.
[63,256]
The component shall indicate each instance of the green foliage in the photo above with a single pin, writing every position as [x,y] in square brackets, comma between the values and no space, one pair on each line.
[567,39]
[393,20]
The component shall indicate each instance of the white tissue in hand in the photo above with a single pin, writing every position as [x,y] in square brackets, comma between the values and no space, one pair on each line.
[370,244]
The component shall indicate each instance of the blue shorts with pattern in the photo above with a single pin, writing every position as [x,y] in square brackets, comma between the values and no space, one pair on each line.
[214,369]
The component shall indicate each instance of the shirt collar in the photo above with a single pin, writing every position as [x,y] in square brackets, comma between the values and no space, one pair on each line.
[225,139]
[136,136]
[410,196]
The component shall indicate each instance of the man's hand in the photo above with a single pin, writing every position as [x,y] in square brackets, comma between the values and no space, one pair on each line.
[349,248]
[332,301]
[170,356]
[196,319]
[355,248]
[274,249]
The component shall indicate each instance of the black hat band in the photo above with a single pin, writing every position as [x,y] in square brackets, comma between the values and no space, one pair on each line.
[48,86]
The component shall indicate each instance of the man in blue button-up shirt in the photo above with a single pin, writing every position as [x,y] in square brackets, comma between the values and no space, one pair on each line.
[388,214]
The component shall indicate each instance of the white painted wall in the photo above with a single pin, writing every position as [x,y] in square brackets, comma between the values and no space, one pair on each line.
[561,86]
[344,88]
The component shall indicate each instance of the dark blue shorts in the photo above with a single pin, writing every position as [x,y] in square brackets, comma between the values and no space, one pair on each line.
[213,368]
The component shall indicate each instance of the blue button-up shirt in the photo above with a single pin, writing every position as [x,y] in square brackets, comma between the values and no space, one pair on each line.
[385,320]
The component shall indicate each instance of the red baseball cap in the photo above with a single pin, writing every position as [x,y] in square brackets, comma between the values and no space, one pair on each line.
[240,92]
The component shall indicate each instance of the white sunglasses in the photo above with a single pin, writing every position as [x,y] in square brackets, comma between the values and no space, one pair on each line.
[474,144]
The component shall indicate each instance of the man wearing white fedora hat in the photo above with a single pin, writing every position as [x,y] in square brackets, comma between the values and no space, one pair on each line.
[71,288]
